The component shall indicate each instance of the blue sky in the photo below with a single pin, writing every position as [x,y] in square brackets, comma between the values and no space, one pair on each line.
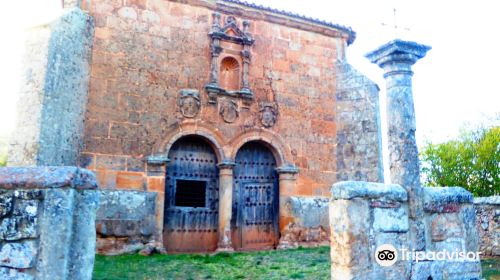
[456,83]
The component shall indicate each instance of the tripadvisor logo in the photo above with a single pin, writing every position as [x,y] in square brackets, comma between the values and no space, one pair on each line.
[386,255]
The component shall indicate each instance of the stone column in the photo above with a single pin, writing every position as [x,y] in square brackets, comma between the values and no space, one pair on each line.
[287,180]
[225,206]
[396,59]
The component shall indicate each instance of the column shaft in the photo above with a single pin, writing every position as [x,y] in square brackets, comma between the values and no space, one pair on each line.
[225,207]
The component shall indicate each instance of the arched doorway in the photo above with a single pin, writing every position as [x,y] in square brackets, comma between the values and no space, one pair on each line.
[255,208]
[191,197]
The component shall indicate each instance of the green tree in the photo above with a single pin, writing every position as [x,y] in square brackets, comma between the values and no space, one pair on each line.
[472,162]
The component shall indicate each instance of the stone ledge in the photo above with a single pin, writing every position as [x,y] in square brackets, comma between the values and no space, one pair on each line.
[352,189]
[47,177]
[492,200]
[436,196]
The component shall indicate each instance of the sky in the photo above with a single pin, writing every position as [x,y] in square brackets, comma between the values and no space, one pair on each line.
[455,84]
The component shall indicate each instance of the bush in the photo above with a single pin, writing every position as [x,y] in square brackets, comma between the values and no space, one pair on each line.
[472,162]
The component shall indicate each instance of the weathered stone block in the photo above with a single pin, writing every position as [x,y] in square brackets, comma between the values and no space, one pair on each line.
[125,216]
[18,254]
[445,199]
[309,211]
[390,219]
[14,274]
[350,225]
[446,225]
[5,203]
[353,189]
[15,228]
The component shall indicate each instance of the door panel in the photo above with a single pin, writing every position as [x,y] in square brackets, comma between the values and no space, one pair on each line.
[255,199]
[191,229]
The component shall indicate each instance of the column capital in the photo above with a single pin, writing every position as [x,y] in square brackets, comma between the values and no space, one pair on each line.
[287,169]
[157,159]
[226,164]
[397,55]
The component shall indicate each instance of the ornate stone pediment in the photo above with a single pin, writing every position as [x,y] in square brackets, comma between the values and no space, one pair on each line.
[231,31]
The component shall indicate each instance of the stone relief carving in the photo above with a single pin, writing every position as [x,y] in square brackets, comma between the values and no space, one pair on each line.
[189,102]
[229,110]
[268,114]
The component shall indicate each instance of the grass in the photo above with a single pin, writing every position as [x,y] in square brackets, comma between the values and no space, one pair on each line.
[302,263]
[491,268]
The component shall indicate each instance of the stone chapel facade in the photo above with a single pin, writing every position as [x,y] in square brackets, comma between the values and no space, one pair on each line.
[231,120]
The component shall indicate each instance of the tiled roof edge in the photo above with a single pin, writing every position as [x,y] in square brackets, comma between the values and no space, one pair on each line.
[348,30]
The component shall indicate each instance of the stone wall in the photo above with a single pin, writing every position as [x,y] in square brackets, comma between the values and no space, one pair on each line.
[310,222]
[359,143]
[364,216]
[488,224]
[146,53]
[126,222]
[47,223]
[53,94]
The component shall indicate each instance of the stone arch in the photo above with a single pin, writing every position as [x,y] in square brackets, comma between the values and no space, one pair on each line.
[272,141]
[213,138]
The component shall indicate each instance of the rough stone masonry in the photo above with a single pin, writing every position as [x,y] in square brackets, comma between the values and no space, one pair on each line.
[47,223]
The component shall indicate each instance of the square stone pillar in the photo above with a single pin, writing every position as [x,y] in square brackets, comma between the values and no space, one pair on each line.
[156,167]
[396,59]
[225,206]
[287,180]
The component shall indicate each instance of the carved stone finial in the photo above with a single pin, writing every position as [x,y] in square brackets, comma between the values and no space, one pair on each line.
[215,22]
[246,24]
[230,19]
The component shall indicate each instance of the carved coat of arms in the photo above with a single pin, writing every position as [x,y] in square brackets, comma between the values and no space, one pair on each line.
[229,110]
[268,114]
[189,103]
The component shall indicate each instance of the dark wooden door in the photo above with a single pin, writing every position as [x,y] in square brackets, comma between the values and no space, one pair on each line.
[255,199]
[191,197]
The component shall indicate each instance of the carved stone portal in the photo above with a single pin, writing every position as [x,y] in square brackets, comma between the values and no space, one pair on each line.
[225,78]
[189,102]
[268,114]
[229,110]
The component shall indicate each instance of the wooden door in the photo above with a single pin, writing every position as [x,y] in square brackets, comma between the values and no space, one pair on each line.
[255,199]
[191,197]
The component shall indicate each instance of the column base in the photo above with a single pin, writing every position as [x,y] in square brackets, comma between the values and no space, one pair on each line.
[224,249]
[285,244]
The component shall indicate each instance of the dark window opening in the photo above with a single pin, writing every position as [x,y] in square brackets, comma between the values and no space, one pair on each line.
[190,193]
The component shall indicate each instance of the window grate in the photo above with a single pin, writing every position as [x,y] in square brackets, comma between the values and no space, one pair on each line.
[190,193]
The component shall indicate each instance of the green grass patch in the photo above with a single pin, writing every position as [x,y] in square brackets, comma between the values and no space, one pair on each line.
[302,263]
[491,268]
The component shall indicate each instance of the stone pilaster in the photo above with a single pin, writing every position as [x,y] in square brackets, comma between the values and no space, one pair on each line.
[287,180]
[225,205]
[156,168]
[396,59]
